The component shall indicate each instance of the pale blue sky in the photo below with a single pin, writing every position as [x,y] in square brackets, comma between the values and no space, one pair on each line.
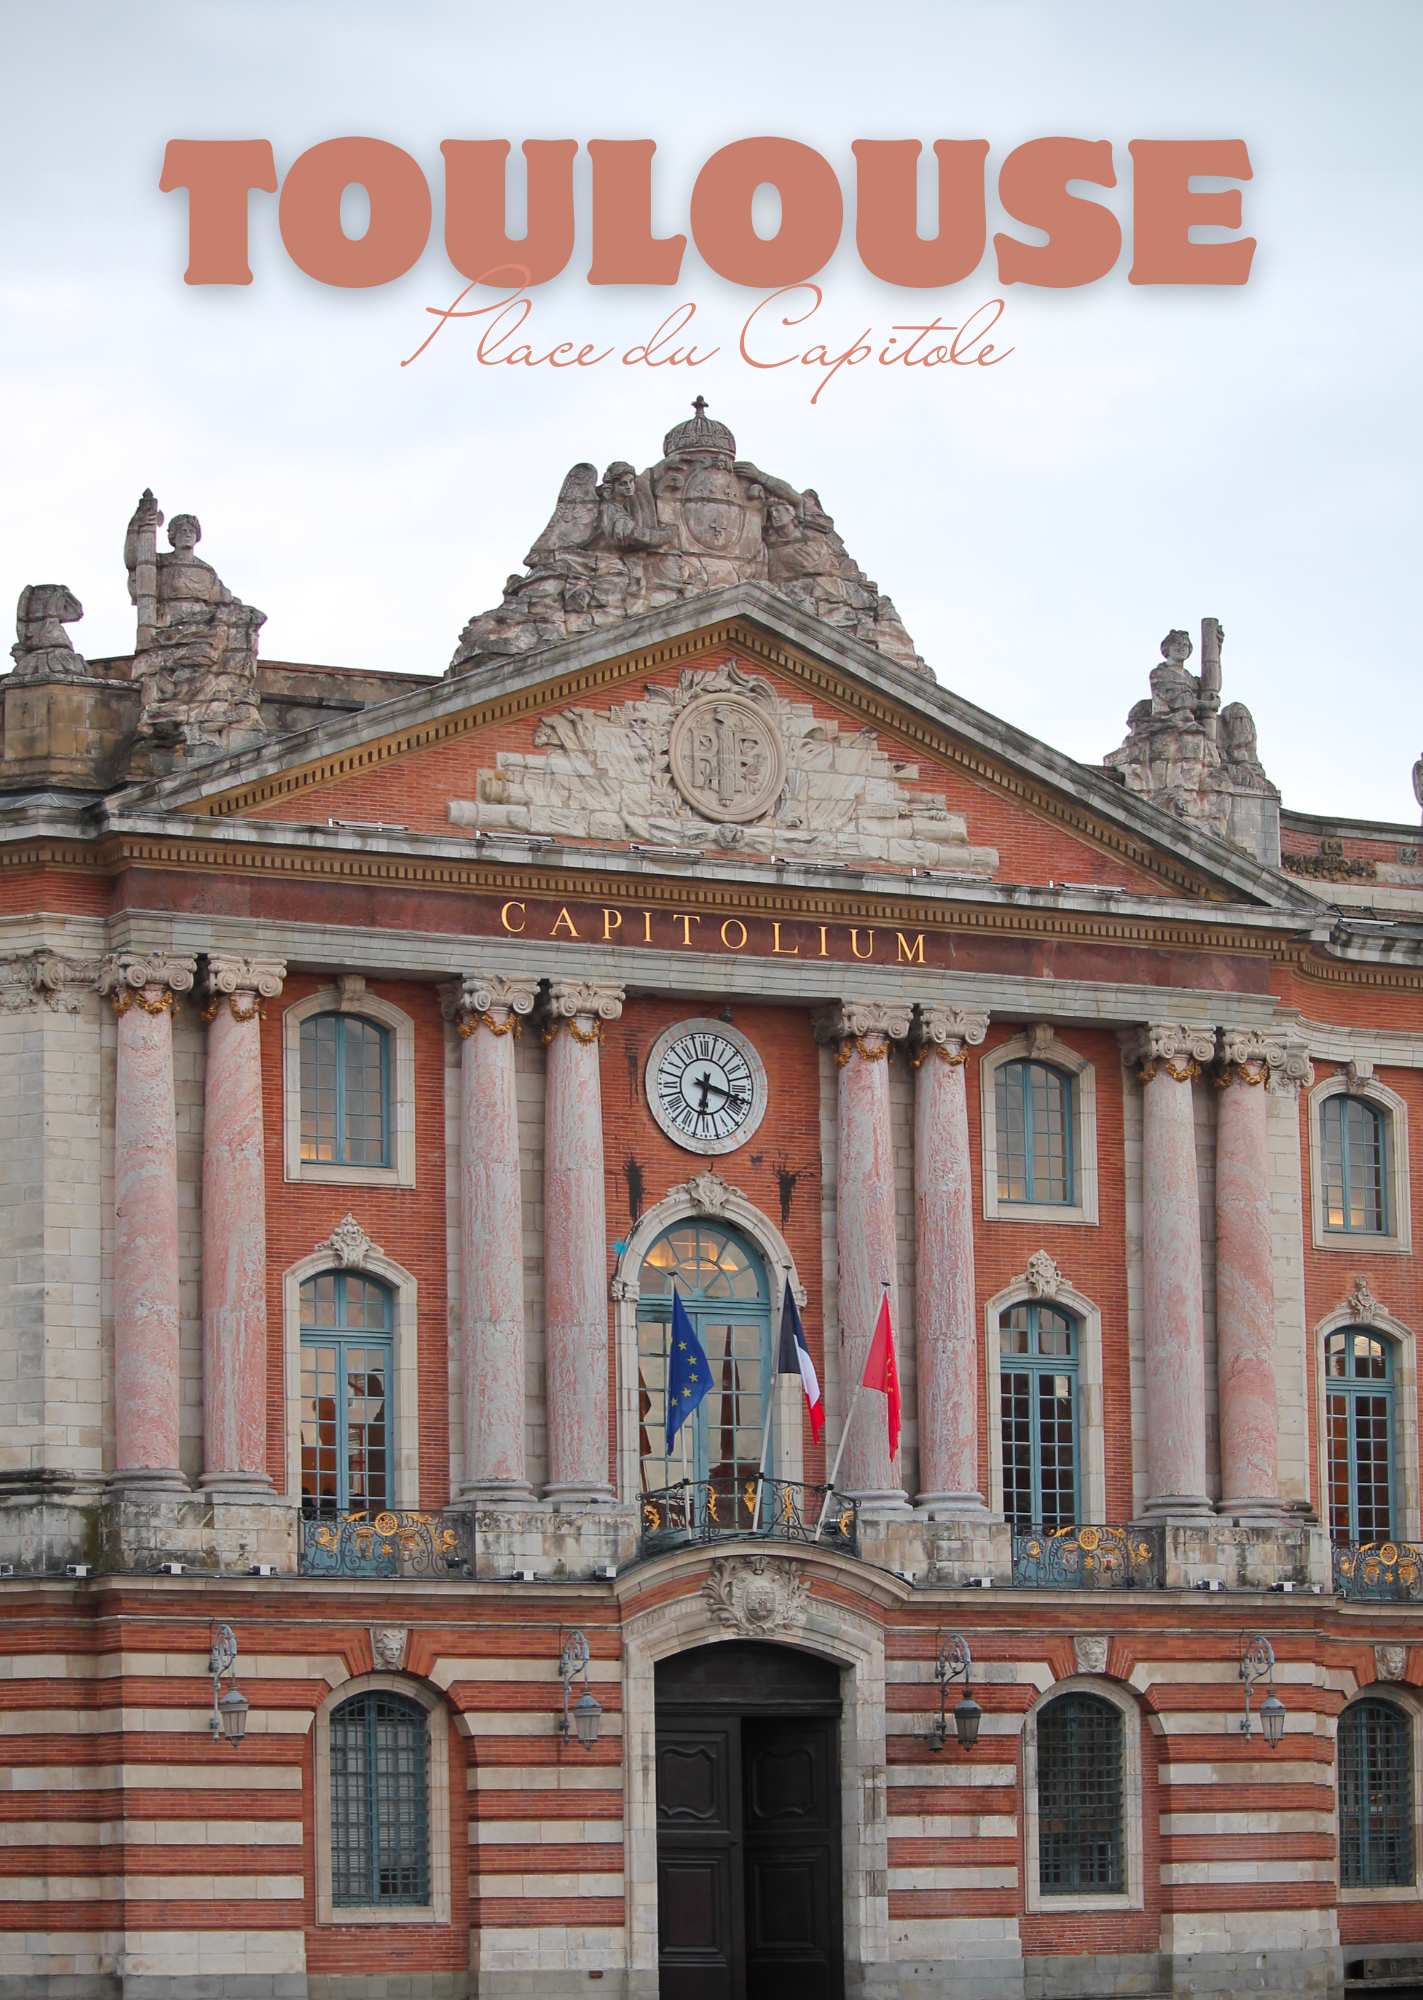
[1144,458]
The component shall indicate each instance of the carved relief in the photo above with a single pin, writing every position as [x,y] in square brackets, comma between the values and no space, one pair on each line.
[47,978]
[721,761]
[1042,1276]
[1091,1654]
[757,1596]
[388,1643]
[1362,1306]
[349,1244]
[1390,1662]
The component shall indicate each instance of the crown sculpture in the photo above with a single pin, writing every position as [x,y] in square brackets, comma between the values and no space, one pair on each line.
[697,520]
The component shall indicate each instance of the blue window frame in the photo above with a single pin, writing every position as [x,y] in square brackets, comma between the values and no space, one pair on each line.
[1375,1797]
[1081,1851]
[347,1408]
[723,1285]
[1359,1422]
[1034,1114]
[1354,1138]
[1038,1399]
[380,1801]
[345,1091]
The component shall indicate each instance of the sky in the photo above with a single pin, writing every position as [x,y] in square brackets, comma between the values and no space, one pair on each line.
[1145,456]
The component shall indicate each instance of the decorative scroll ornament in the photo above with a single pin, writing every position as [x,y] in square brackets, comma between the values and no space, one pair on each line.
[1390,1662]
[126,976]
[243,983]
[757,1596]
[494,1002]
[349,1244]
[45,978]
[1361,1305]
[388,1644]
[1253,1056]
[946,1032]
[1172,1049]
[1042,1276]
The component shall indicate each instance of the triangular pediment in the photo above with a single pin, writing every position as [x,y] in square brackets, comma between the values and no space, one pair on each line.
[730,728]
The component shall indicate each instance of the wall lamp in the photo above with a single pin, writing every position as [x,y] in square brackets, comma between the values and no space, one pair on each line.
[1257,1662]
[585,1717]
[955,1662]
[228,1722]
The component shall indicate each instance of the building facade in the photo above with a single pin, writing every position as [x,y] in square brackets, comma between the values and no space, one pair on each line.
[383,1054]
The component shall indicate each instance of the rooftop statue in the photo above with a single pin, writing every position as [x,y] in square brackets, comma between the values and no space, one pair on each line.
[195,654]
[697,520]
[43,650]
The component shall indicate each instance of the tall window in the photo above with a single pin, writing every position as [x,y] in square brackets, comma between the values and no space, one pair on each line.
[1038,1392]
[1080,1834]
[1358,1409]
[380,1801]
[345,1091]
[723,1286]
[1375,1797]
[347,1424]
[1354,1138]
[1034,1120]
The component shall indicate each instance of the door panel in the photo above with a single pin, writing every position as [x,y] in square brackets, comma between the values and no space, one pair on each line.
[700,1889]
[792,1859]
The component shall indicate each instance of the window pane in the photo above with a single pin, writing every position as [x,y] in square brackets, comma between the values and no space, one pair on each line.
[723,1287]
[1011,1105]
[1355,1166]
[1038,1411]
[1359,1435]
[379,1801]
[1375,1797]
[1080,1797]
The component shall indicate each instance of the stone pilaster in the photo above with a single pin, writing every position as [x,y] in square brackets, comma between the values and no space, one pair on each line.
[946,1335]
[141,988]
[862,1033]
[575,1242]
[489,1013]
[234,1285]
[1169,1058]
[1250,1064]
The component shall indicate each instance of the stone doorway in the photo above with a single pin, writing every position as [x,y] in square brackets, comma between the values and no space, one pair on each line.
[748,1825]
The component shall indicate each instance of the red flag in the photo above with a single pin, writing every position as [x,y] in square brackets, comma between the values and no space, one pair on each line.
[882,1372]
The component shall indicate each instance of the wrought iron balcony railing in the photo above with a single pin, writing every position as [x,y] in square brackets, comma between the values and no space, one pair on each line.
[388,1542]
[1388,1572]
[1083,1557]
[772,1509]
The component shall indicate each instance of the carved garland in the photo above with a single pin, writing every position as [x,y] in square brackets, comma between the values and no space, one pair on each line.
[584,1035]
[471,1022]
[253,1011]
[1185,1072]
[851,1045]
[124,997]
[926,1049]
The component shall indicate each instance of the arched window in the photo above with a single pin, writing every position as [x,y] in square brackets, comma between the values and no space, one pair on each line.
[1034,1106]
[1359,1418]
[347,1420]
[1375,1796]
[1354,1136]
[1038,1400]
[380,1801]
[345,1091]
[1081,1849]
[724,1288]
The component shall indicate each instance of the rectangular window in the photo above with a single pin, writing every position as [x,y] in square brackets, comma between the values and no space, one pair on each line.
[345,1091]
[1033,1115]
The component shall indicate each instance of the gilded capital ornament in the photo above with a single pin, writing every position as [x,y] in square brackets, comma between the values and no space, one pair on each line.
[147,980]
[241,984]
[1170,1048]
[570,1002]
[1255,1056]
[495,1001]
[946,1032]
[867,1028]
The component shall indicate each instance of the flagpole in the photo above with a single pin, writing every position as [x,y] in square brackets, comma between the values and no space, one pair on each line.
[844,1434]
[771,1387]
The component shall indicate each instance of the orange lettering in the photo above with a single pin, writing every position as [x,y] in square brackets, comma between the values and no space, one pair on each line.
[506,922]
[558,923]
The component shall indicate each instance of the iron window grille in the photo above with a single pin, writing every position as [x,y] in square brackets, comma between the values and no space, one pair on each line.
[1034,1116]
[1038,1405]
[1080,1845]
[380,1802]
[1354,1136]
[1359,1419]
[347,1411]
[345,1091]
[1375,1797]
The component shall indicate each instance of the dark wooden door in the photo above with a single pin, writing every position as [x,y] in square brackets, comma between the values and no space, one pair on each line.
[791,1837]
[700,1892]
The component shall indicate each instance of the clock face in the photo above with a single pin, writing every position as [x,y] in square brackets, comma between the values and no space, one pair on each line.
[706,1086]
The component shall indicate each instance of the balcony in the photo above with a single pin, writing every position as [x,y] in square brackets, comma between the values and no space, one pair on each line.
[1380,1572]
[775,1510]
[1083,1557]
[388,1543]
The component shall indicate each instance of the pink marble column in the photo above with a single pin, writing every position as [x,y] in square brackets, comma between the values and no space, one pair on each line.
[861,1033]
[145,1290]
[489,1015]
[1173,1305]
[235,1230]
[576,1243]
[945,1302]
[1251,1065]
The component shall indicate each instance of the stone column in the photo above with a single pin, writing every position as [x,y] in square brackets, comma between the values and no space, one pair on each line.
[861,1033]
[1251,1064]
[146,1393]
[1170,1058]
[235,1230]
[575,1243]
[489,1014]
[945,1301]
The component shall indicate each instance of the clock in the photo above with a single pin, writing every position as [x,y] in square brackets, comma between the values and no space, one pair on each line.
[706,1086]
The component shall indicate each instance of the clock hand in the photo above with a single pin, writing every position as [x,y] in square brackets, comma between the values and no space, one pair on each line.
[704,1084]
[721,1091]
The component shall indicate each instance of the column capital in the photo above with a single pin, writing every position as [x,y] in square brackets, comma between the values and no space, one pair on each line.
[494,1000]
[946,1032]
[47,977]
[866,1027]
[1169,1048]
[244,983]
[571,1002]
[1255,1056]
[126,977]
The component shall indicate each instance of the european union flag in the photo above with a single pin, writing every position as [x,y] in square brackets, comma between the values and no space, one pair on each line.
[688,1371]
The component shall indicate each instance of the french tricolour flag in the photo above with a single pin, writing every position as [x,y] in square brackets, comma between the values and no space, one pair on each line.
[793,1358]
